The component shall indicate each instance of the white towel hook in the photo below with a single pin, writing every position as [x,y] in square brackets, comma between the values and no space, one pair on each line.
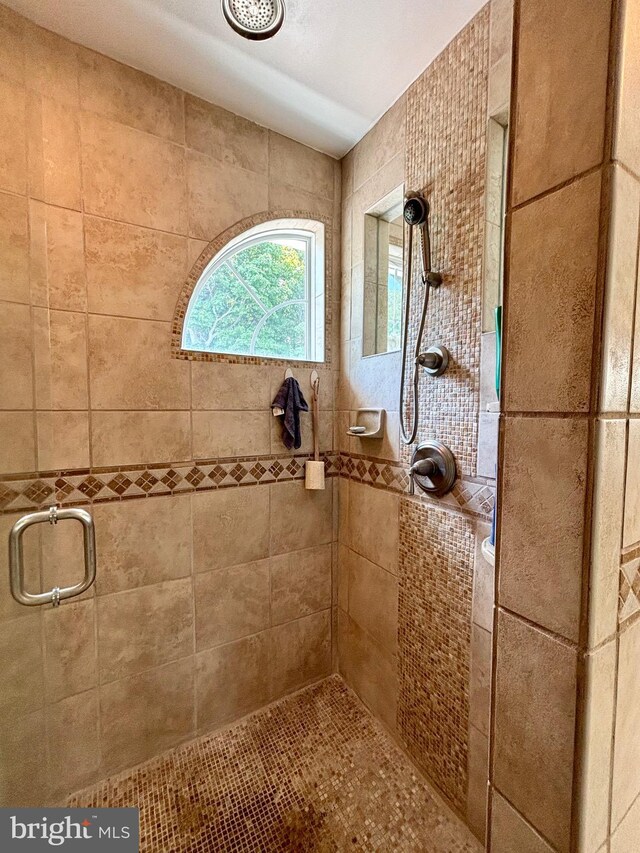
[315,383]
[288,374]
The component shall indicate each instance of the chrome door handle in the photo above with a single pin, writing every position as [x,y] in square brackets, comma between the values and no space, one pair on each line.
[16,563]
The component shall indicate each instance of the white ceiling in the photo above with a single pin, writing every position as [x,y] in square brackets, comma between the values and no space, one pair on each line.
[333,69]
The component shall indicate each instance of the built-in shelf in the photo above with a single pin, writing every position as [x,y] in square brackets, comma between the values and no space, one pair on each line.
[369,424]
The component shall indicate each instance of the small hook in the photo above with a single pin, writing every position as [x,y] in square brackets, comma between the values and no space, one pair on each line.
[315,382]
[288,374]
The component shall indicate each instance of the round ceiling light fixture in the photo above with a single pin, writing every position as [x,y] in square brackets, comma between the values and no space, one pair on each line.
[254,19]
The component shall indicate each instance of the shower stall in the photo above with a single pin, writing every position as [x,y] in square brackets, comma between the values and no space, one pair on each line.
[432,643]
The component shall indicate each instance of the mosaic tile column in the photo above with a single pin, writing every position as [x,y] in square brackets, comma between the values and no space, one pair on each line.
[434,639]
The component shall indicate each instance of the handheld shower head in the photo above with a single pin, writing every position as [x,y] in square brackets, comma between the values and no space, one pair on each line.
[435,360]
[416,209]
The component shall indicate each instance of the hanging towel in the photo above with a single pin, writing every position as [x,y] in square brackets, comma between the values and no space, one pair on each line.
[287,404]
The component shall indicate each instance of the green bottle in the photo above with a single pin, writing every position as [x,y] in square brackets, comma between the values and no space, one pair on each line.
[498,316]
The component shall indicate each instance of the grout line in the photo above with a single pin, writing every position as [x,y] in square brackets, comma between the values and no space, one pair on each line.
[595,390]
[634,342]
[369,560]
[523,818]
[194,669]
[87,330]
[613,739]
[622,165]
[609,415]
[620,822]
[551,635]
[557,187]
[142,466]
[617,642]
[192,573]
[215,647]
[32,330]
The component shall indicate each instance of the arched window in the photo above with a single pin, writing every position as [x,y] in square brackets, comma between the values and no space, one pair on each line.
[262,295]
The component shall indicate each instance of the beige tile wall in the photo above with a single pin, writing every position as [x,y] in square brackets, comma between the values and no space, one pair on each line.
[123,180]
[92,259]
[567,656]
[368,596]
[178,636]
[610,799]
[206,606]
[367,593]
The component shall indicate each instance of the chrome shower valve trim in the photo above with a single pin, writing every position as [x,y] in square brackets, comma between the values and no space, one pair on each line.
[435,360]
[433,469]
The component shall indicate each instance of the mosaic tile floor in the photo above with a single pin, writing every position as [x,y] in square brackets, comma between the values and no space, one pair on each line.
[314,772]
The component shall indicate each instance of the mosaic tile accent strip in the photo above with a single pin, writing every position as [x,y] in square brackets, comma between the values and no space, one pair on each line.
[475,497]
[448,164]
[630,553]
[97,485]
[212,250]
[629,592]
[435,581]
[76,487]
[314,772]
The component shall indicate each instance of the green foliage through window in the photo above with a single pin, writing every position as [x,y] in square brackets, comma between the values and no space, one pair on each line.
[255,299]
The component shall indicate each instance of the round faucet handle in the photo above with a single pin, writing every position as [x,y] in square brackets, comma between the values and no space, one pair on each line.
[435,360]
[423,467]
[433,469]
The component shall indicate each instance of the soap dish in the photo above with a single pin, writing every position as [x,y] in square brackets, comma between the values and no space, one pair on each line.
[369,424]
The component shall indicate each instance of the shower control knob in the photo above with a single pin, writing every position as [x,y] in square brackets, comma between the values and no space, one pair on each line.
[435,360]
[433,468]
[423,467]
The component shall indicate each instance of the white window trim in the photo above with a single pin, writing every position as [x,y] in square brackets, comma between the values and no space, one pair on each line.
[312,233]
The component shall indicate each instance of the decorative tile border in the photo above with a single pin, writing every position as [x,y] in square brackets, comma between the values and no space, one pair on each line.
[629,590]
[98,485]
[392,476]
[471,496]
[210,251]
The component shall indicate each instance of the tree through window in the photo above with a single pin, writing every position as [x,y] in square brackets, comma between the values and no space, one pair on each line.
[262,295]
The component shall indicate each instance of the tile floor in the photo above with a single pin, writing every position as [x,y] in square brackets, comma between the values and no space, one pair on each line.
[314,772]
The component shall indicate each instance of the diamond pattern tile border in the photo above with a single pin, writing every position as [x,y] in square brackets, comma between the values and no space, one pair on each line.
[29,492]
[75,487]
[471,496]
[629,591]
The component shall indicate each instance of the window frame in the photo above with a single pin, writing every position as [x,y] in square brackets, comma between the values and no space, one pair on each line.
[312,232]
